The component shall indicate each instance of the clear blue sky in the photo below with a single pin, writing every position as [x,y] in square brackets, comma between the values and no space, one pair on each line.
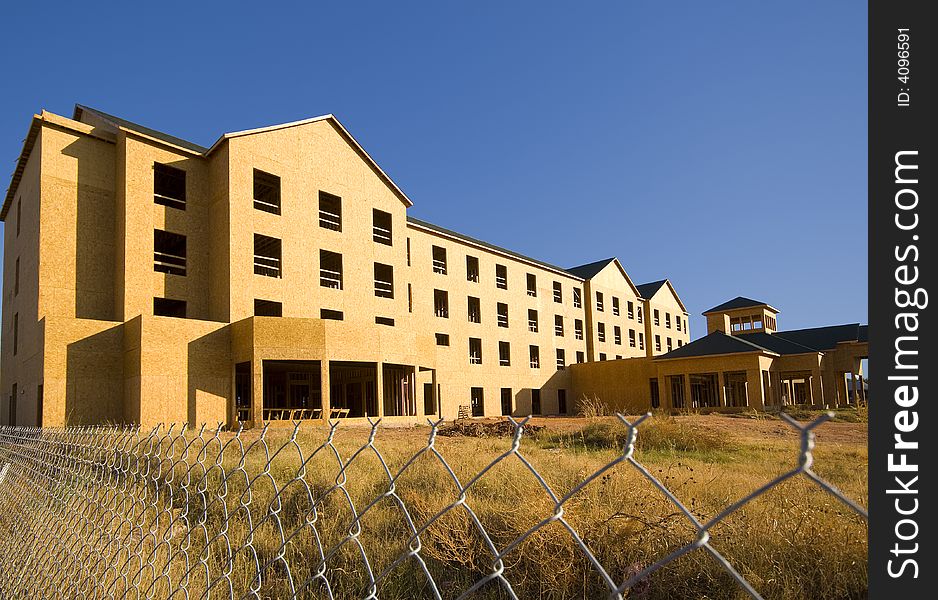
[720,144]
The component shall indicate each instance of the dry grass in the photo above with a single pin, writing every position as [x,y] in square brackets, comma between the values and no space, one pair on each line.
[592,407]
[794,542]
[848,414]
[661,434]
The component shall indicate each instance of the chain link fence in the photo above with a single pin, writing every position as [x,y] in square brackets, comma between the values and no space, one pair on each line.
[117,512]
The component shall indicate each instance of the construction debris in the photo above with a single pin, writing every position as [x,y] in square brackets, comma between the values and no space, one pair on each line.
[485,429]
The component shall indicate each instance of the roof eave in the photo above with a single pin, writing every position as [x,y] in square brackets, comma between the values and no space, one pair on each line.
[763,305]
[30,140]
[153,140]
[720,354]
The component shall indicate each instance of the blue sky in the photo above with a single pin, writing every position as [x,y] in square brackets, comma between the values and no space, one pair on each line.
[720,144]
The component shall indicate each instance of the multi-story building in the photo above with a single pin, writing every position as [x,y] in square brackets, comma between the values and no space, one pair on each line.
[276,275]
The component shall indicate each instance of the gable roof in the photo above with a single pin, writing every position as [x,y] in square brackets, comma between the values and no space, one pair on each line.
[738,302]
[120,123]
[647,290]
[590,269]
[713,344]
[331,119]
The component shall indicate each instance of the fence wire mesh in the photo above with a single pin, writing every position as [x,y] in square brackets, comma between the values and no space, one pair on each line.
[117,512]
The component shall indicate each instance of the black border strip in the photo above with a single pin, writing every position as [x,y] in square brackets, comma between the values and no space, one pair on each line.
[902,261]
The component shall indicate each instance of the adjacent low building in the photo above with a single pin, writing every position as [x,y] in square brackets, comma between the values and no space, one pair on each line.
[277,275]
[744,362]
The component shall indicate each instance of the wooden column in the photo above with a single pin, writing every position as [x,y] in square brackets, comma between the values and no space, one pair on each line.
[855,393]
[379,388]
[435,393]
[721,391]
[687,398]
[841,394]
[232,403]
[325,389]
[416,410]
[257,393]
[858,382]
[817,388]
[754,392]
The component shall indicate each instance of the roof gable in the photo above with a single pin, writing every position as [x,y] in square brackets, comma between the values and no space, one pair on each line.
[650,290]
[647,290]
[97,116]
[600,266]
[590,269]
[343,132]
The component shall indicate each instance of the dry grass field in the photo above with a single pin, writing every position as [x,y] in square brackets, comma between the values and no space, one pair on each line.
[795,541]
[229,514]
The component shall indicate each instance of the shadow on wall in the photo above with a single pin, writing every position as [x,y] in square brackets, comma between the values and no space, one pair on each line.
[189,223]
[94,231]
[94,378]
[543,401]
[209,378]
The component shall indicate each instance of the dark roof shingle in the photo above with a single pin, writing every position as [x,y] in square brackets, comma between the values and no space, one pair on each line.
[825,338]
[714,343]
[774,343]
[647,290]
[798,341]
[737,302]
[118,121]
[591,269]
